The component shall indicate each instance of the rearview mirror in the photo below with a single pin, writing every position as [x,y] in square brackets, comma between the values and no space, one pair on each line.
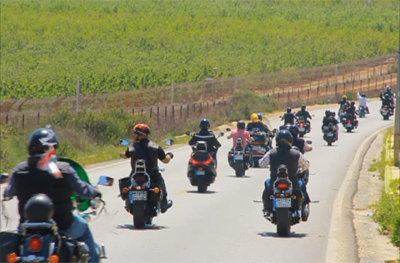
[106,180]
[124,142]
[220,134]
[228,129]
[4,178]
[169,142]
[189,133]
[309,142]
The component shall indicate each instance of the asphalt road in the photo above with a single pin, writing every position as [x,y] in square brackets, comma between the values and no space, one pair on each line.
[226,223]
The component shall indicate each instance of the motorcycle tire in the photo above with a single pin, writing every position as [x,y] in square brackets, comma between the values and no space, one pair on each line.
[349,129]
[239,169]
[386,117]
[283,219]
[139,218]
[202,188]
[329,143]
[305,212]
[149,220]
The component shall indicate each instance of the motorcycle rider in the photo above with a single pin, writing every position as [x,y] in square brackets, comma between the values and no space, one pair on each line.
[255,123]
[240,132]
[266,129]
[143,148]
[305,114]
[351,112]
[41,173]
[298,142]
[289,117]
[362,101]
[208,136]
[283,154]
[330,118]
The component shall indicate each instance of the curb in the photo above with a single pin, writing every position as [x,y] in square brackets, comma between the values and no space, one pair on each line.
[342,243]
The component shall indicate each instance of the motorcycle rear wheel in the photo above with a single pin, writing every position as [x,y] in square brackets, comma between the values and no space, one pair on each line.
[202,188]
[283,222]
[139,219]
[239,169]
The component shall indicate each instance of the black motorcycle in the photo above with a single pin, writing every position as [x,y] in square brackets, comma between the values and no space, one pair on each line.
[202,168]
[287,204]
[238,158]
[40,240]
[329,134]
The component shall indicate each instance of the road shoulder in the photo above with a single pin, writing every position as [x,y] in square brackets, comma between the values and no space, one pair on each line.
[372,246]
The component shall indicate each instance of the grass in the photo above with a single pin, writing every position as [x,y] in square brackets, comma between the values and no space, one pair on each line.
[122,45]
[387,212]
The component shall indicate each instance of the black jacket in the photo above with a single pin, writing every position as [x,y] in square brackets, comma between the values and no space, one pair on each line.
[287,156]
[305,114]
[289,118]
[207,136]
[299,143]
[27,180]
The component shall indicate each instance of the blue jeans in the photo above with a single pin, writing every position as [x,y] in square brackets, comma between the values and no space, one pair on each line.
[79,230]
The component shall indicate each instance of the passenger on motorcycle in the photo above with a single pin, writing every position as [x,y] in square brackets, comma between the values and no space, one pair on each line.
[143,148]
[41,173]
[289,117]
[208,136]
[266,129]
[255,123]
[351,113]
[241,133]
[330,118]
[283,154]
[387,101]
[305,114]
[363,101]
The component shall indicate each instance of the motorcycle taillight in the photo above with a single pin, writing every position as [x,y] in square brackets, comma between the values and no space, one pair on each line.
[35,244]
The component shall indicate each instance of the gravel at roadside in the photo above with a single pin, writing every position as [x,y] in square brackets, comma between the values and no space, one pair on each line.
[372,246]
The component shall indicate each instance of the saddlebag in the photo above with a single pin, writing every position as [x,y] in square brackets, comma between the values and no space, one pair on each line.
[9,244]
[124,182]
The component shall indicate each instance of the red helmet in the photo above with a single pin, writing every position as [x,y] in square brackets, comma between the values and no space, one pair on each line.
[141,129]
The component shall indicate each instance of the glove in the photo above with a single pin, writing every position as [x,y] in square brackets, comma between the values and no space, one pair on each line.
[171,155]
[98,194]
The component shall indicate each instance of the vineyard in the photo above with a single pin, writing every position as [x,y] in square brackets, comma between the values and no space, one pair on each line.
[115,46]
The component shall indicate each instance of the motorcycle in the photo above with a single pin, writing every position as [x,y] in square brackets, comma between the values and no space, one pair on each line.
[304,127]
[386,112]
[361,112]
[260,146]
[238,159]
[349,124]
[329,134]
[40,240]
[287,203]
[202,168]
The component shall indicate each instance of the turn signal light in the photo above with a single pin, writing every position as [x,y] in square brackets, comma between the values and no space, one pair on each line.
[11,258]
[156,190]
[54,259]
[35,244]
[125,190]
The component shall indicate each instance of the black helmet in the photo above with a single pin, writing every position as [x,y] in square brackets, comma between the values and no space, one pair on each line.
[294,130]
[284,137]
[141,129]
[241,125]
[327,113]
[352,103]
[289,110]
[303,106]
[204,124]
[363,95]
[39,208]
[40,140]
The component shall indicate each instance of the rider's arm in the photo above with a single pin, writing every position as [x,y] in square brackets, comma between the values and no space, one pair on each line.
[303,163]
[130,152]
[230,136]
[78,186]
[10,190]
[307,147]
[165,158]
[264,161]
[309,115]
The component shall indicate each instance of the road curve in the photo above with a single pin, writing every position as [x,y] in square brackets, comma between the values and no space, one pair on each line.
[226,223]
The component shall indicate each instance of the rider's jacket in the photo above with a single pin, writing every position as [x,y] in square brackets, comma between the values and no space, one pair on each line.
[289,118]
[242,134]
[256,125]
[305,114]
[330,119]
[351,111]
[342,102]
[299,143]
[362,101]
[208,137]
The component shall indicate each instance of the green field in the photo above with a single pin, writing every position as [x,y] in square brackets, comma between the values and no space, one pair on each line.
[122,45]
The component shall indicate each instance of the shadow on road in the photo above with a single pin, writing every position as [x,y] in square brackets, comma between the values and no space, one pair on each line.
[148,227]
[197,192]
[275,235]
[234,176]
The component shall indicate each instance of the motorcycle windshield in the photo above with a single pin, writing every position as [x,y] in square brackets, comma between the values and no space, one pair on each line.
[83,203]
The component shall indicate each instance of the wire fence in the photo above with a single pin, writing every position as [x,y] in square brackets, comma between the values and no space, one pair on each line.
[188,100]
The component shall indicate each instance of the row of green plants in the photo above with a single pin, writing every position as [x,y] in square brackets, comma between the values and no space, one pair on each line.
[387,212]
[123,45]
[93,136]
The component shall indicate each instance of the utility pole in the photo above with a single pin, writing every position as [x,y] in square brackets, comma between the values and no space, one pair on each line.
[397,113]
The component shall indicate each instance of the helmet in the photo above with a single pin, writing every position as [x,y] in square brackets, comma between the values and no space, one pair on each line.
[352,103]
[39,208]
[303,106]
[204,124]
[241,125]
[254,117]
[327,113]
[40,140]
[363,95]
[294,130]
[141,129]
[284,137]
[260,116]
[289,110]
[344,97]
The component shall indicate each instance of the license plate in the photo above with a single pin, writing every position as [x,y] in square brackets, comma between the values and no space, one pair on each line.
[199,172]
[301,129]
[283,202]
[137,196]
[256,148]
[239,157]
[330,134]
[349,125]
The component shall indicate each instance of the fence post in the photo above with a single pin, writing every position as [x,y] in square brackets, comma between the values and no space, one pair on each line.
[158,112]
[141,112]
[7,119]
[200,108]
[38,117]
[187,110]
[308,95]
[23,121]
[361,85]
[78,92]
[151,112]
[180,112]
[173,112]
[133,111]
[165,112]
